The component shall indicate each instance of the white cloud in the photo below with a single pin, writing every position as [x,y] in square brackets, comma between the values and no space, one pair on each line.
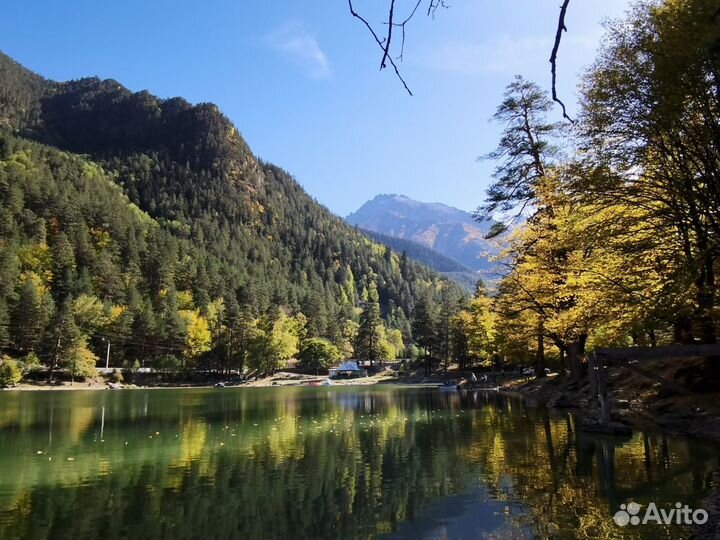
[505,54]
[296,44]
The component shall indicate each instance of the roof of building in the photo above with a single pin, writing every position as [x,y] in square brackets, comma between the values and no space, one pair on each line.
[348,366]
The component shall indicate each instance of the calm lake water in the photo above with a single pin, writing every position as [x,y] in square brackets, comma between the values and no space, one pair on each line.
[317,463]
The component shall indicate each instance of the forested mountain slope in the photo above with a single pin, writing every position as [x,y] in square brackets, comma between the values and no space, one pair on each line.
[157,213]
[434,260]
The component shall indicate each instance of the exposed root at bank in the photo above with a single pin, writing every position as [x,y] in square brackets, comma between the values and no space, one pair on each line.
[636,401]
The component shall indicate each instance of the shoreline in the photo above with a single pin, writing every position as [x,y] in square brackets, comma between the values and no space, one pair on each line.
[281,379]
[636,403]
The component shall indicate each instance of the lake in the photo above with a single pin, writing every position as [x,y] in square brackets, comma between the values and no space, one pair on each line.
[316,463]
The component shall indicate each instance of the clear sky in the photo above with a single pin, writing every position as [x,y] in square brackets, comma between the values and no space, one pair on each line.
[300,79]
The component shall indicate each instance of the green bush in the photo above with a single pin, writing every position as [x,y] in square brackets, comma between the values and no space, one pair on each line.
[10,372]
[30,363]
[168,361]
[318,353]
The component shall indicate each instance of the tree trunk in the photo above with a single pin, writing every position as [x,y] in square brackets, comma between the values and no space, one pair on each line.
[56,352]
[706,302]
[575,361]
[682,331]
[540,359]
[563,356]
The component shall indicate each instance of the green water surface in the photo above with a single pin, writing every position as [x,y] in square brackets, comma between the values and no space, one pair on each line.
[316,463]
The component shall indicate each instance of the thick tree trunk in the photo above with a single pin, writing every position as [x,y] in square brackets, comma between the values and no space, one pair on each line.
[682,331]
[574,361]
[575,352]
[582,341]
[540,358]
[706,302]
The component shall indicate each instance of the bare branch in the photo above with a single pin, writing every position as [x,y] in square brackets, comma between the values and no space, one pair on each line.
[384,44]
[553,57]
[402,26]
[434,5]
[388,39]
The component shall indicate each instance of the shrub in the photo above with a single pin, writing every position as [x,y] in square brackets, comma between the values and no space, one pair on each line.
[10,372]
[30,363]
[168,362]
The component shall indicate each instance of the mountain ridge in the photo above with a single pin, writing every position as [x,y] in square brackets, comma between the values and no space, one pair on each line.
[447,230]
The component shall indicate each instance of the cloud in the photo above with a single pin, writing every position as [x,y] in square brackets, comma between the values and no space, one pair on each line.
[296,44]
[504,54]
[500,55]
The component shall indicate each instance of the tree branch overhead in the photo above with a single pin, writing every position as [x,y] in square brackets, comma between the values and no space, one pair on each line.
[385,42]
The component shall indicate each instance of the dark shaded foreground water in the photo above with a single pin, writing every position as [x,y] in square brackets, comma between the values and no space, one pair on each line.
[319,463]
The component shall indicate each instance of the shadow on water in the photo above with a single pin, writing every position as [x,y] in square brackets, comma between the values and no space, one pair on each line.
[326,463]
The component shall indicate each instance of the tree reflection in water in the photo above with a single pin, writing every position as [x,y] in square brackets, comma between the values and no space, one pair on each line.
[323,463]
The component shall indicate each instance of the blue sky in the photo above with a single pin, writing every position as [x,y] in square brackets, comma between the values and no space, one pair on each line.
[300,79]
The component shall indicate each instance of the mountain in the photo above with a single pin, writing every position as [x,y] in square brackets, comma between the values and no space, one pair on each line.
[157,213]
[444,229]
[424,255]
[445,266]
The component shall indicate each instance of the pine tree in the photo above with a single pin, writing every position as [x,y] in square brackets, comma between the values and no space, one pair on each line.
[63,266]
[144,328]
[31,315]
[367,342]
[64,339]
[449,307]
[424,330]
[4,325]
[525,150]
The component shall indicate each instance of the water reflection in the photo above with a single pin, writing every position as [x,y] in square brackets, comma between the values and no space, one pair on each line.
[324,463]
